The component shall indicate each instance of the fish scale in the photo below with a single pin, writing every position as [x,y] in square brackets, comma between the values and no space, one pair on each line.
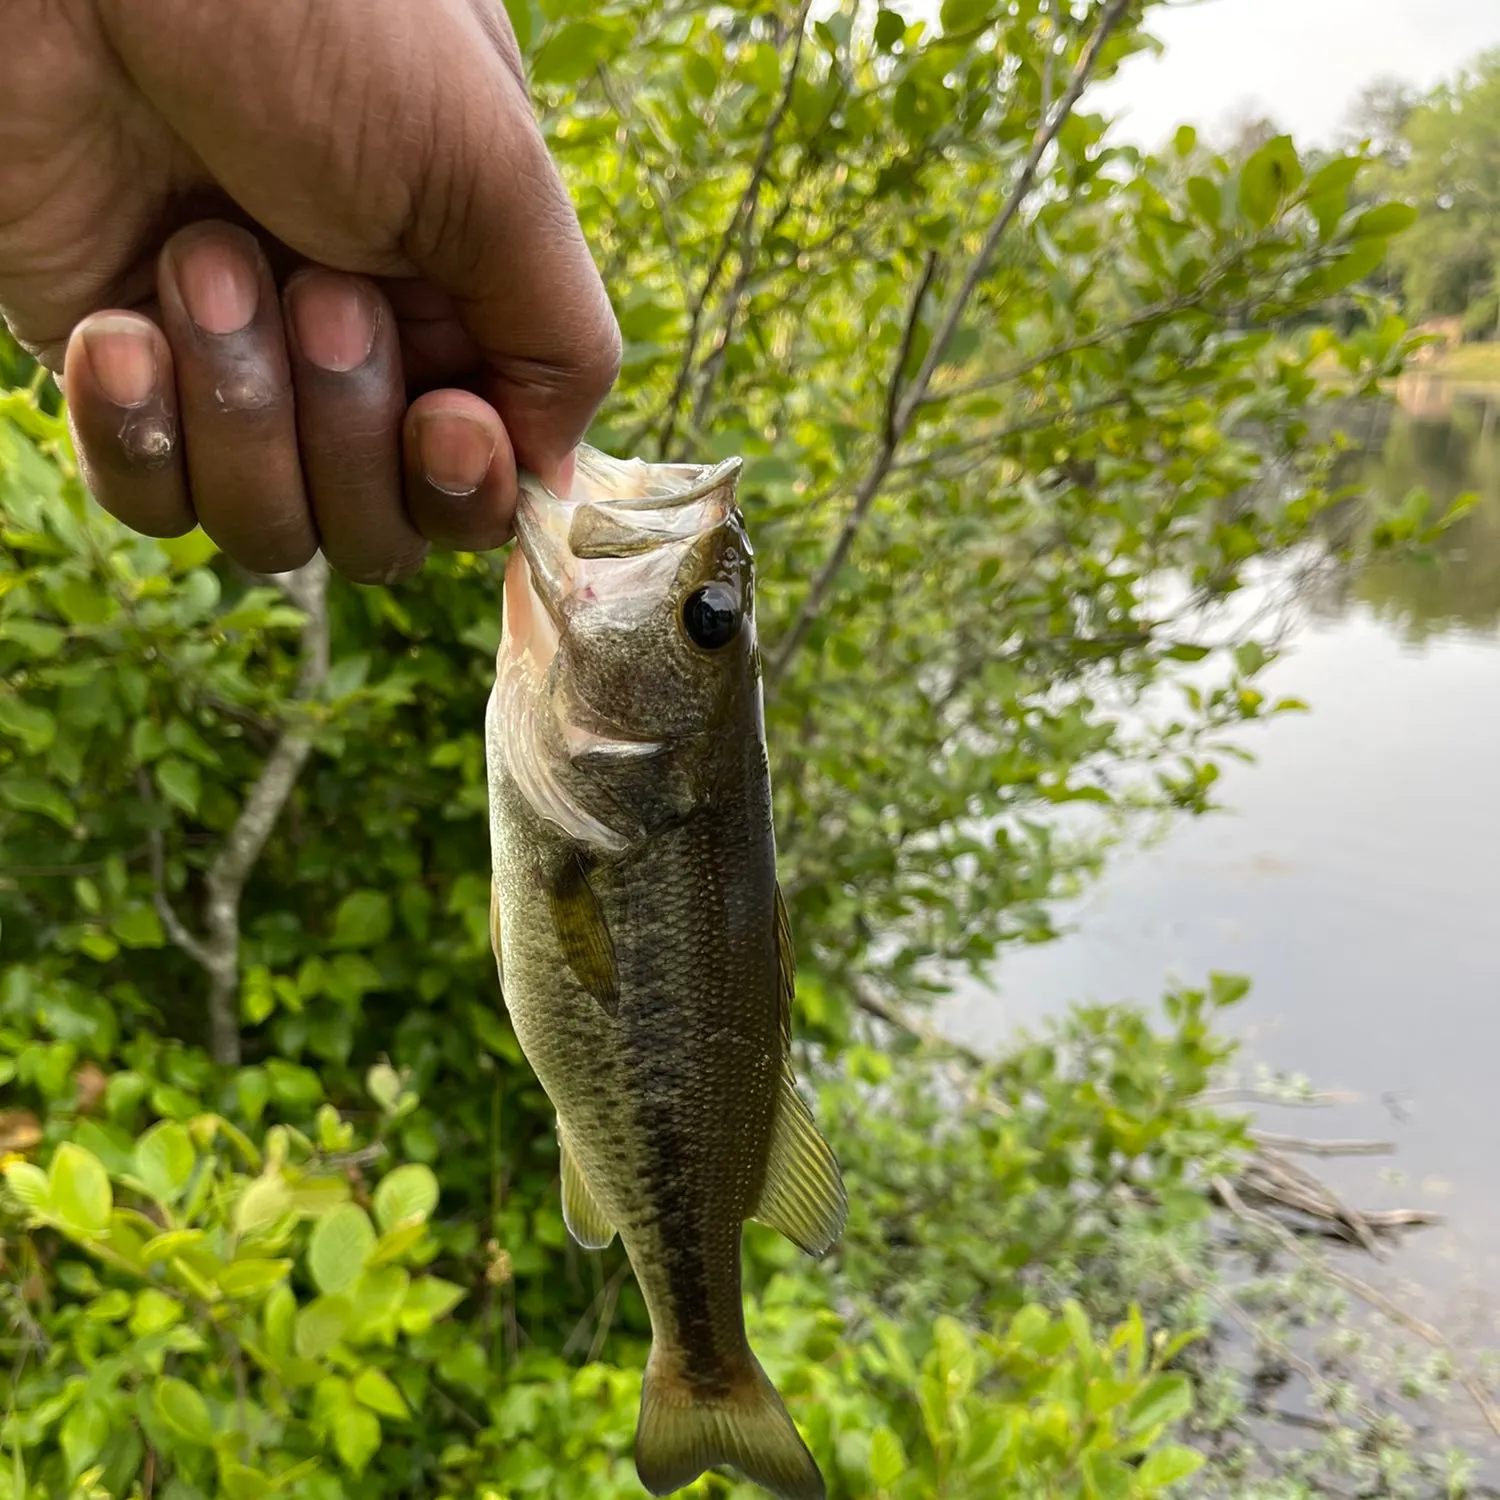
[642,945]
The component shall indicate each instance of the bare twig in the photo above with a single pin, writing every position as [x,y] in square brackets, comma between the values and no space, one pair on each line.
[916,393]
[1368,1294]
[1305,1147]
[746,207]
[218,951]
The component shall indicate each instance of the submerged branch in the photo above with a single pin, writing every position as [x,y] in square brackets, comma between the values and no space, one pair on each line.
[1371,1296]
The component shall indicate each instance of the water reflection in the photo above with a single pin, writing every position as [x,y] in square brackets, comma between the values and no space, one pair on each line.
[1447,442]
[1354,878]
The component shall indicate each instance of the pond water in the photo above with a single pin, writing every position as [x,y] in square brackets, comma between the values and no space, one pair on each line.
[1354,877]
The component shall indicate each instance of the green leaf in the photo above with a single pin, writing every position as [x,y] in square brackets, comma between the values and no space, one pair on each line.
[340,1245]
[1384,219]
[155,1312]
[262,1203]
[179,782]
[320,1325]
[33,727]
[1327,192]
[572,52]
[1362,257]
[35,637]
[965,15]
[164,1161]
[428,1299]
[1207,202]
[356,1436]
[407,1195]
[375,1389]
[138,926]
[29,1184]
[1267,178]
[887,1458]
[245,1278]
[253,1089]
[29,794]
[79,1190]
[84,1432]
[1166,1466]
[890,28]
[238,1481]
[1165,1399]
[184,1411]
[362,920]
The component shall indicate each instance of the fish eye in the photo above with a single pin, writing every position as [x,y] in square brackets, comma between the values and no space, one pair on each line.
[711,616]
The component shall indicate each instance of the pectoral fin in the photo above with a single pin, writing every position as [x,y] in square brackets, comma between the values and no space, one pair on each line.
[583,934]
[586,1221]
[803,1196]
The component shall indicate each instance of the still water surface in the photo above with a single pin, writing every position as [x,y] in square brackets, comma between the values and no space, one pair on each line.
[1354,877]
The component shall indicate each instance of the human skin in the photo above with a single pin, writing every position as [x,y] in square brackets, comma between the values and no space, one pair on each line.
[305,268]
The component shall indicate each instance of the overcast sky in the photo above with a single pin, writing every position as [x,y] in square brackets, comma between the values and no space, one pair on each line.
[1299,61]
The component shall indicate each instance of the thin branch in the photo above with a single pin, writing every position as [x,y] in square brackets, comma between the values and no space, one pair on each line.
[903,352]
[1050,418]
[745,207]
[218,952]
[909,403]
[1162,309]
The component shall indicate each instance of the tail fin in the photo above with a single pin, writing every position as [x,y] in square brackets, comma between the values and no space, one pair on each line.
[680,1434]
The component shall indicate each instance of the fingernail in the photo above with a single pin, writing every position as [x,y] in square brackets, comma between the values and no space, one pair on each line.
[122,355]
[456,453]
[219,284]
[333,319]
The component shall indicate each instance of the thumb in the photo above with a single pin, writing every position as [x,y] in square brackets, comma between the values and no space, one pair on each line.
[492,225]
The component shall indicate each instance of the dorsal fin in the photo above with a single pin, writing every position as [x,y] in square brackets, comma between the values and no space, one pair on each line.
[803,1196]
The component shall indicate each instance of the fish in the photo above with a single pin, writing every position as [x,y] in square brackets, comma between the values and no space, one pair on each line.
[641,938]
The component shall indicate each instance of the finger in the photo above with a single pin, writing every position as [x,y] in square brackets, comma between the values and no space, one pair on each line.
[460,472]
[493,226]
[234,390]
[346,367]
[122,408]
[410,148]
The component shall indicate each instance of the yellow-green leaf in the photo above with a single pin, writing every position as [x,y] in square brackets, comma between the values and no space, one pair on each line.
[164,1161]
[375,1389]
[184,1411]
[155,1312]
[262,1203]
[79,1190]
[407,1195]
[247,1277]
[340,1245]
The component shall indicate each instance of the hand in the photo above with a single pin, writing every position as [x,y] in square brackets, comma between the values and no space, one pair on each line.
[245,233]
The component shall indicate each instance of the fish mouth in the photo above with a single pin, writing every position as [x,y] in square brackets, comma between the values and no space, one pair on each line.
[615,540]
[622,525]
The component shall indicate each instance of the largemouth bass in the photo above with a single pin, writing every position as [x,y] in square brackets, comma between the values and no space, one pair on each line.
[641,938]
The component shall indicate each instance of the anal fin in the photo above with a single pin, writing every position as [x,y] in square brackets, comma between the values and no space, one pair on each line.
[586,1221]
[803,1196]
